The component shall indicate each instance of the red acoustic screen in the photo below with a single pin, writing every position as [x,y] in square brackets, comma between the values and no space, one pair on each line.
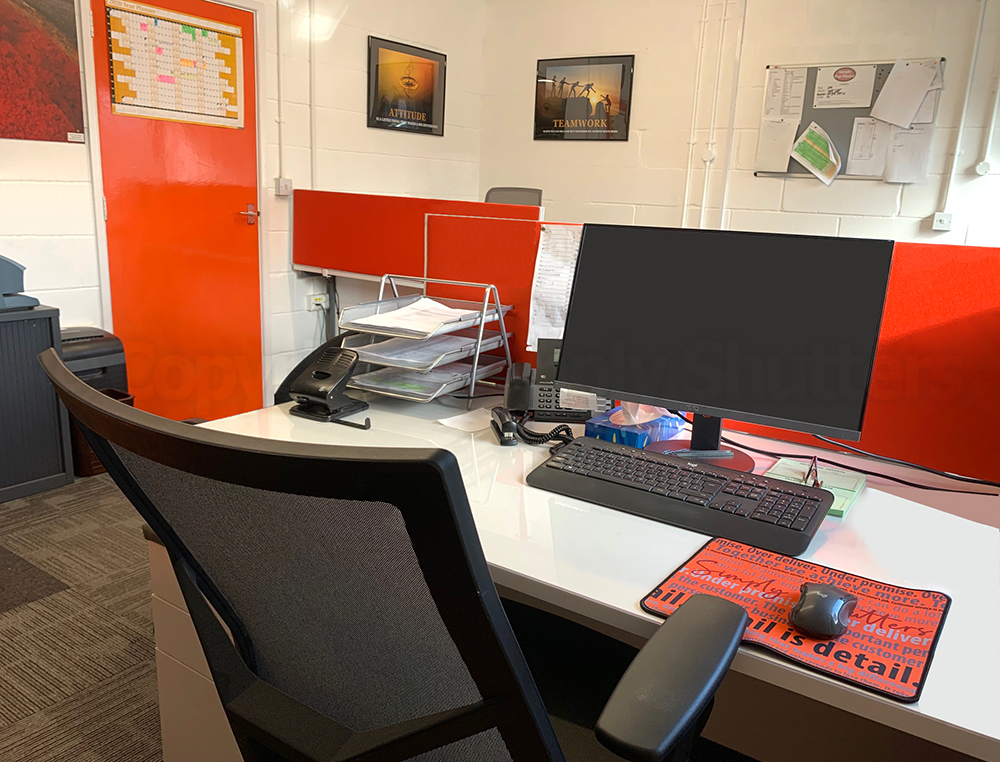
[375,235]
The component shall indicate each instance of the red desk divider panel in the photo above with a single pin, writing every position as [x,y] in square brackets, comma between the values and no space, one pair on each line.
[501,252]
[375,235]
[935,392]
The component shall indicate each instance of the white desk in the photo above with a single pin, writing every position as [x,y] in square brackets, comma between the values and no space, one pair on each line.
[573,556]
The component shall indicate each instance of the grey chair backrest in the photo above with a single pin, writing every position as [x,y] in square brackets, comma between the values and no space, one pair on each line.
[519,196]
[352,581]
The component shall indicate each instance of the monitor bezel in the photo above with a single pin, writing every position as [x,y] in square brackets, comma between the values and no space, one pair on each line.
[805,427]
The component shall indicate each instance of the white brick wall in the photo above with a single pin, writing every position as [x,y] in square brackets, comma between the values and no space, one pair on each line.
[47,224]
[643,181]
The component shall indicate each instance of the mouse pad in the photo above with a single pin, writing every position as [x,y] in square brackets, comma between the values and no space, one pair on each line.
[887,647]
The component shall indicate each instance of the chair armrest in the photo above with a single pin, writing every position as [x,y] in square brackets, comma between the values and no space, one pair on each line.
[670,683]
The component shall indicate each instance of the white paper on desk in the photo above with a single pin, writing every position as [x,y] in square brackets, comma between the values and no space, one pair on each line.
[844,86]
[774,144]
[558,247]
[903,92]
[474,420]
[909,155]
[785,93]
[423,315]
[869,146]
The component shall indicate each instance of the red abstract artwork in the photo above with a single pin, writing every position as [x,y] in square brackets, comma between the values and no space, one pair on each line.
[40,97]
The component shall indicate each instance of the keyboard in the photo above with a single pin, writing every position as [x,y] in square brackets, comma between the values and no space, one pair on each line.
[757,510]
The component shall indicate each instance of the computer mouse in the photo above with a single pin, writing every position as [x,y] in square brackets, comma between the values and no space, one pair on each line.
[823,611]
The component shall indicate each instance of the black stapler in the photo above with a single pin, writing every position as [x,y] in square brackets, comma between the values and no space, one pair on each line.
[319,389]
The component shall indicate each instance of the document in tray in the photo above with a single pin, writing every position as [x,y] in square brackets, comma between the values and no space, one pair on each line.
[411,383]
[410,353]
[422,317]
[558,247]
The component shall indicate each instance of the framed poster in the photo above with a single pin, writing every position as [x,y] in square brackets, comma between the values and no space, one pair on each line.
[405,87]
[40,94]
[583,98]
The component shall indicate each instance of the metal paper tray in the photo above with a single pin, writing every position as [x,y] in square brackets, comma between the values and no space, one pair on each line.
[423,387]
[351,315]
[428,354]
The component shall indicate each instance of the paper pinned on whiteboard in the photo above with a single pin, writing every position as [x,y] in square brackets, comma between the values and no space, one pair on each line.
[909,154]
[928,109]
[904,92]
[785,93]
[555,264]
[869,146]
[815,151]
[844,86]
[774,144]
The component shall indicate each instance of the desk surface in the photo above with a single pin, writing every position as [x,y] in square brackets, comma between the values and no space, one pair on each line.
[576,556]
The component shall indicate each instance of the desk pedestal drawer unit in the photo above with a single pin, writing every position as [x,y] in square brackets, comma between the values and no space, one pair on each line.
[34,426]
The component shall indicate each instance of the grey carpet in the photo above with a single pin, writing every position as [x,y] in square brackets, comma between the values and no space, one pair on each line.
[76,637]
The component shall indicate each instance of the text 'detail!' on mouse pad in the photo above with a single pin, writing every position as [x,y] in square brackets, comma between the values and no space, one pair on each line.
[889,641]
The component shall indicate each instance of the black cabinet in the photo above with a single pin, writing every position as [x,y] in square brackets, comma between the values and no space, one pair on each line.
[34,426]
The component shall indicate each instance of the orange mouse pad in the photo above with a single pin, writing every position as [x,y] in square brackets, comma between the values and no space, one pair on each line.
[887,647]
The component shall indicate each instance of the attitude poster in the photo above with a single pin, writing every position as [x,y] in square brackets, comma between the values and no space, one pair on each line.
[583,98]
[405,87]
[40,96]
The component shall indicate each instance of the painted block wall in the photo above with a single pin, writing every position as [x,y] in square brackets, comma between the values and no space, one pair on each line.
[47,224]
[347,155]
[645,181]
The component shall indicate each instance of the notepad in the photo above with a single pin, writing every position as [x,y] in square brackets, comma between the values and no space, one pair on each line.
[845,485]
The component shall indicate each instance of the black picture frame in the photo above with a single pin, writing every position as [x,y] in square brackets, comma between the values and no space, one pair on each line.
[399,95]
[584,115]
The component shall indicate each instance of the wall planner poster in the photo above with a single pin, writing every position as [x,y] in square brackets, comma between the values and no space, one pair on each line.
[583,98]
[405,87]
[172,66]
[40,94]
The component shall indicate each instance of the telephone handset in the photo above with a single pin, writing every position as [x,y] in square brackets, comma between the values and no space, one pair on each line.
[319,389]
[533,391]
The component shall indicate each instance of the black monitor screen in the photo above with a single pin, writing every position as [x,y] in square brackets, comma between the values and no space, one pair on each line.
[777,329]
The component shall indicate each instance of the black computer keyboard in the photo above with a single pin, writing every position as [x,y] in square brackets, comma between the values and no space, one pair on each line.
[757,510]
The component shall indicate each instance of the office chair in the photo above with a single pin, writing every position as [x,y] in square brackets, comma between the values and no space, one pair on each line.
[365,625]
[518,196]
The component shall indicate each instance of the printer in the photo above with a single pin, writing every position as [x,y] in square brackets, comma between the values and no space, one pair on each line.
[11,286]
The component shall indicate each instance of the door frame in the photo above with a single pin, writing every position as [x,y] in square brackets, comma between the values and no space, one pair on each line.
[88,72]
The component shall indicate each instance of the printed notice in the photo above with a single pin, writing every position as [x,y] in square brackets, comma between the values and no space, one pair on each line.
[909,155]
[844,87]
[774,144]
[558,247]
[815,151]
[869,145]
[785,93]
[168,65]
[904,91]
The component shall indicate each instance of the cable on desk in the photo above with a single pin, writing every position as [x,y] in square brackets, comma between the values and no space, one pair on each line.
[562,433]
[846,466]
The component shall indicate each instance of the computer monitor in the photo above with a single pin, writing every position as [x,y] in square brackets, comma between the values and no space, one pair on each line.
[763,328]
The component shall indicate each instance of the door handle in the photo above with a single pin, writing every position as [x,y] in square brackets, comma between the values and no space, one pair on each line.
[251,214]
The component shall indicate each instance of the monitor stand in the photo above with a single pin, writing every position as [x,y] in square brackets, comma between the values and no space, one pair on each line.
[703,447]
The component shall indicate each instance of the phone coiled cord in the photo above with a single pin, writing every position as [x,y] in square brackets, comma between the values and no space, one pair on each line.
[562,433]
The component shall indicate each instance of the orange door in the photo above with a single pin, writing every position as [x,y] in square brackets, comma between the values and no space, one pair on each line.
[177,114]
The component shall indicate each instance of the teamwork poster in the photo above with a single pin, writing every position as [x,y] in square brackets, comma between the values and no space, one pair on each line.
[583,98]
[40,95]
[405,87]
[889,642]
[168,65]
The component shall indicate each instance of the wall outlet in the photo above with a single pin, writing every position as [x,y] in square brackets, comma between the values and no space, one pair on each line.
[942,221]
[283,186]
[317,302]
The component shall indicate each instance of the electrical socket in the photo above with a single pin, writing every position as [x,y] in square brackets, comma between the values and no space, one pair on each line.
[283,186]
[942,221]
[316,302]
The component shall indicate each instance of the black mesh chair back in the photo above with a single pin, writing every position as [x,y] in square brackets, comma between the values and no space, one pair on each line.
[352,581]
